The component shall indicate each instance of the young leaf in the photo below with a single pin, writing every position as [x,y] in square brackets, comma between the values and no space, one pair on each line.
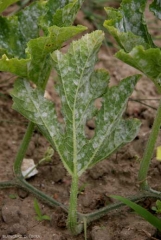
[6,3]
[156,222]
[127,25]
[37,66]
[37,208]
[45,217]
[158,205]
[147,61]
[79,85]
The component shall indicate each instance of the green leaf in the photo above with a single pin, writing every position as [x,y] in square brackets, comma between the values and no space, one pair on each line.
[37,208]
[16,31]
[158,205]
[45,217]
[37,66]
[156,222]
[6,3]
[64,13]
[147,61]
[155,7]
[79,85]
[128,26]
[13,196]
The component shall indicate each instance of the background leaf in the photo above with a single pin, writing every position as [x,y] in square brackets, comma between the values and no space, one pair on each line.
[147,61]
[65,12]
[26,53]
[155,7]
[37,65]
[156,222]
[127,24]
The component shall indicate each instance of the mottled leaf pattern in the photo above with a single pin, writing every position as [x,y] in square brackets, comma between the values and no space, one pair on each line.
[32,104]
[17,30]
[155,7]
[37,66]
[65,12]
[78,86]
[147,61]
[27,54]
[128,26]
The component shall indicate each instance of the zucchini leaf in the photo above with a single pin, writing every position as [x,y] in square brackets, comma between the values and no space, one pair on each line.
[16,31]
[65,12]
[79,85]
[128,26]
[156,222]
[23,52]
[5,4]
[147,61]
[155,7]
[37,65]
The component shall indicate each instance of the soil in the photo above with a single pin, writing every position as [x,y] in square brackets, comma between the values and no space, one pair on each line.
[116,175]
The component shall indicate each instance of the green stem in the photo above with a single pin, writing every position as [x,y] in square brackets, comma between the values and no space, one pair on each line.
[9,184]
[22,150]
[41,195]
[103,211]
[72,214]
[148,153]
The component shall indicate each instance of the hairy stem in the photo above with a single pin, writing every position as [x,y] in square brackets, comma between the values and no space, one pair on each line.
[22,150]
[103,211]
[145,162]
[72,214]
[9,184]
[41,195]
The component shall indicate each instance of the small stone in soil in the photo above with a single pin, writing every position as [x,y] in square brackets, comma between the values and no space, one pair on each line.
[17,229]
[58,173]
[58,237]
[22,193]
[100,233]
[11,214]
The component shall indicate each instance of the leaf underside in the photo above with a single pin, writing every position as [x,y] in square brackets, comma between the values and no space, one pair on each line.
[79,85]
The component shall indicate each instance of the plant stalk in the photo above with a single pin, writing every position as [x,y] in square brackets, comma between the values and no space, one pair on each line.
[22,150]
[149,150]
[72,214]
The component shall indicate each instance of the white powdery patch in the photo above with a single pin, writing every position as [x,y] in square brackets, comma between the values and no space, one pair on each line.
[66,154]
[52,131]
[135,18]
[79,166]
[37,115]
[44,114]
[134,52]
[95,145]
[135,6]
[143,63]
[76,82]
[140,33]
